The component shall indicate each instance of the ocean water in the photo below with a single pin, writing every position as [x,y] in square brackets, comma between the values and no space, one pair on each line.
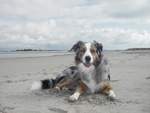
[24,54]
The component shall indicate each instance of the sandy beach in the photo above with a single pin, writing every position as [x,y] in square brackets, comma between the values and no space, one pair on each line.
[130,78]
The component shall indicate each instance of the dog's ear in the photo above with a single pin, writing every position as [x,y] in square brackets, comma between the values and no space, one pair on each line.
[76,46]
[98,46]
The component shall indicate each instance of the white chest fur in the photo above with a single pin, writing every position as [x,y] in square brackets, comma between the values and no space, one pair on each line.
[92,85]
[88,77]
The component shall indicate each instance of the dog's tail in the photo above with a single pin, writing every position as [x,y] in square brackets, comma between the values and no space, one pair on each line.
[46,83]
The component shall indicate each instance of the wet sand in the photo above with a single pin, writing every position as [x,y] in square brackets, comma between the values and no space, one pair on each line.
[130,78]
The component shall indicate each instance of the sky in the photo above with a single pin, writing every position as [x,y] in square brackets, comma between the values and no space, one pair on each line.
[58,24]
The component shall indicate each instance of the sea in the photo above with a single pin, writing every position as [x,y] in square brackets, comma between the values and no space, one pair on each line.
[26,54]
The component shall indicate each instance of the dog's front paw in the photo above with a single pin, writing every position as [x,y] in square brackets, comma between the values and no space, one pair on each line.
[74,97]
[112,95]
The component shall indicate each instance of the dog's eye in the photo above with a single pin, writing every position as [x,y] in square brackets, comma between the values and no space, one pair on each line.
[93,50]
[82,50]
[72,72]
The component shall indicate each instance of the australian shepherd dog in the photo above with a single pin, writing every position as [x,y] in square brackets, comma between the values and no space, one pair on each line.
[90,73]
[93,70]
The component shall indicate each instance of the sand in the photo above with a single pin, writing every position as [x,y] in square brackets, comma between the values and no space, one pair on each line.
[130,74]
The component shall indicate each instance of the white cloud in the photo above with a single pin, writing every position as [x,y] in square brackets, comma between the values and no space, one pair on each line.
[62,35]
[74,8]
[59,23]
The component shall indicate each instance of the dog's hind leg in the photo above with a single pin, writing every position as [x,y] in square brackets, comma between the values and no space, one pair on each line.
[63,84]
[106,89]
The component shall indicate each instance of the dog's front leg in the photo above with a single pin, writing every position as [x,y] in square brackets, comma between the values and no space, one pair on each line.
[106,88]
[80,90]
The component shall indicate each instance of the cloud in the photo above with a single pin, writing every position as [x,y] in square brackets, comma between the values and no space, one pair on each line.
[57,24]
[127,9]
[63,33]
[75,8]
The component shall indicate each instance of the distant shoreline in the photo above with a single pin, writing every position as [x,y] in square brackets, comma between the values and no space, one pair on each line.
[56,50]
[137,49]
[37,50]
[129,49]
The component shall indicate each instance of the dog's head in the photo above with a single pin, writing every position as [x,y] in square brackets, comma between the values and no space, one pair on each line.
[87,53]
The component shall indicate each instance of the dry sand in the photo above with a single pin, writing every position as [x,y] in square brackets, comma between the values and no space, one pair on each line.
[130,72]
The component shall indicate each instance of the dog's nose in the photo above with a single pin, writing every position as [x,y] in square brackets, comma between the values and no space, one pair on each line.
[87,58]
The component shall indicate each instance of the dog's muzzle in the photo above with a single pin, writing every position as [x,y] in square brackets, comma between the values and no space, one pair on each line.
[87,59]
[87,62]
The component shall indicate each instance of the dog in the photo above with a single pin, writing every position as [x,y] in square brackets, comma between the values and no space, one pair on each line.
[93,70]
[67,79]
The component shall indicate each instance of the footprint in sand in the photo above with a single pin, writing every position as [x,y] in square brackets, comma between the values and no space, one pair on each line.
[147,78]
[58,110]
